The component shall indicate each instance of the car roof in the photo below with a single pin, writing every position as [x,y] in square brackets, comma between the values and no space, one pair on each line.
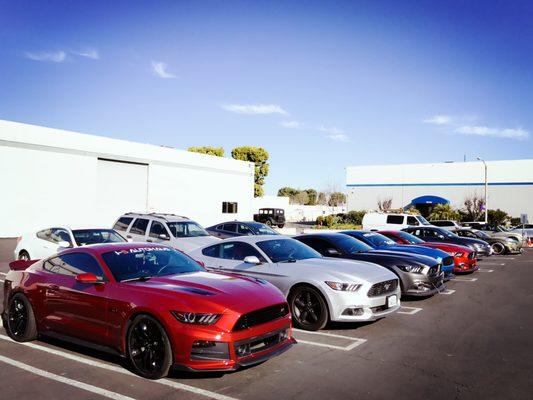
[164,216]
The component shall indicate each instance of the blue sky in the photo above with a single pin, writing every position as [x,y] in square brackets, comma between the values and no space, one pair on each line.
[320,85]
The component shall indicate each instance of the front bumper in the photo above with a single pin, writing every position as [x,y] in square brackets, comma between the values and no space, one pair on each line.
[465,265]
[485,251]
[424,286]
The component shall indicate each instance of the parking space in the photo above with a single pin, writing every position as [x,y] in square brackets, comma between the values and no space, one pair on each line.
[472,340]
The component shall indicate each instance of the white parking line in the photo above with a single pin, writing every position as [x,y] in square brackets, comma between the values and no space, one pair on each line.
[465,279]
[447,291]
[505,258]
[48,375]
[485,270]
[120,370]
[356,341]
[485,264]
[413,310]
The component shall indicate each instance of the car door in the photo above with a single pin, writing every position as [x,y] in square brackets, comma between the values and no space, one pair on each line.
[73,308]
[137,231]
[158,233]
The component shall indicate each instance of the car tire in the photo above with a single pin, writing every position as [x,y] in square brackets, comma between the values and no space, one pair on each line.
[148,347]
[268,222]
[498,248]
[308,308]
[24,255]
[281,226]
[20,320]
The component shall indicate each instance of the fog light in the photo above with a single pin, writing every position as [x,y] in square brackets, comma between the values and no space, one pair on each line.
[352,311]
[243,350]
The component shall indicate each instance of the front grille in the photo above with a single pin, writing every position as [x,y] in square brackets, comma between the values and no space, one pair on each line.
[472,255]
[382,288]
[434,270]
[254,345]
[261,316]
[447,261]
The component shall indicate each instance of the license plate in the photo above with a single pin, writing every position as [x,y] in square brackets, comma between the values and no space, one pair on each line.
[392,301]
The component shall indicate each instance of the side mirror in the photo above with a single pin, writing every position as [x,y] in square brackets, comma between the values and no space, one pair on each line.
[164,236]
[64,244]
[252,260]
[332,252]
[88,277]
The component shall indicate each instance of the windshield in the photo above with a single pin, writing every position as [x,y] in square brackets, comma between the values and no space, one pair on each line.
[422,220]
[262,229]
[412,239]
[482,235]
[378,240]
[147,262]
[280,250]
[93,236]
[445,233]
[186,229]
[351,245]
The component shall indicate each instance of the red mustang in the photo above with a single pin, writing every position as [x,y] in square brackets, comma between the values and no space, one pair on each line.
[149,303]
[464,258]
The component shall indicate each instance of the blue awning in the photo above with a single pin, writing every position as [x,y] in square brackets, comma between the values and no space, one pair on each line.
[429,200]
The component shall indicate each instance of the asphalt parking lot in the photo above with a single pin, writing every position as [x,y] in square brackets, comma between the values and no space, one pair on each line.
[472,341]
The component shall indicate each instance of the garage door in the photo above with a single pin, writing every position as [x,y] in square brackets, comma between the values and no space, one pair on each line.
[122,187]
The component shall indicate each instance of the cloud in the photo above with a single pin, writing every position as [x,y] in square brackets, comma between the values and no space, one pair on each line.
[88,53]
[291,124]
[339,137]
[439,120]
[509,133]
[334,133]
[254,109]
[57,56]
[160,70]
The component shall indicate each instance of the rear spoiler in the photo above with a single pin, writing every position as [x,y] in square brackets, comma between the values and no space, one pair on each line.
[20,265]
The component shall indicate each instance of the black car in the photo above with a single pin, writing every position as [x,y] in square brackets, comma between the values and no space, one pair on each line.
[419,275]
[271,217]
[434,234]
[238,228]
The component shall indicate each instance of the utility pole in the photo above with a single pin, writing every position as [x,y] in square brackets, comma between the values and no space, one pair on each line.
[486,189]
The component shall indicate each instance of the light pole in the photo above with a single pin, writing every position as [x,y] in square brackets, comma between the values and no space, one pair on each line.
[486,188]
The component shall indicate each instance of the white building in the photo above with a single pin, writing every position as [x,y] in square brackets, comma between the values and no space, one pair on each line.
[51,176]
[510,184]
[296,212]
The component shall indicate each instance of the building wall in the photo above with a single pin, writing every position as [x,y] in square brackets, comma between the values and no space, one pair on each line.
[52,177]
[510,184]
[295,212]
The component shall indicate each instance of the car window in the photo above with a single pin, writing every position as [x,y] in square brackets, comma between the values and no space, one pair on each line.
[186,229]
[146,262]
[212,251]
[239,251]
[378,240]
[282,250]
[123,223]
[262,229]
[72,264]
[395,219]
[85,237]
[156,229]
[412,221]
[139,226]
[45,234]
[416,232]
[60,235]
[318,244]
[244,230]
[230,227]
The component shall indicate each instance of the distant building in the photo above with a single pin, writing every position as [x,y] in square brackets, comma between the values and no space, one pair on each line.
[51,176]
[510,185]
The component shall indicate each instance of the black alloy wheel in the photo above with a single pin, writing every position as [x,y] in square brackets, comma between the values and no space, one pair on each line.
[24,256]
[21,324]
[498,248]
[148,348]
[309,309]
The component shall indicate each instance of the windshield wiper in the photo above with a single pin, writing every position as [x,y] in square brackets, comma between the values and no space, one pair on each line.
[290,260]
[142,278]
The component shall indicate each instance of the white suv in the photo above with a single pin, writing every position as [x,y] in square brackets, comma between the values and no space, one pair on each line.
[172,230]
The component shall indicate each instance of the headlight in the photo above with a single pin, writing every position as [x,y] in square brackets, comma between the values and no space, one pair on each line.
[343,287]
[196,318]
[459,254]
[416,269]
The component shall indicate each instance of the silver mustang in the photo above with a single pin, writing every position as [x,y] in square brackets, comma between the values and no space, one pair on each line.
[318,288]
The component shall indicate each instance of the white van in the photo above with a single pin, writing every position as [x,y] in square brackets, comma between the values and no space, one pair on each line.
[374,221]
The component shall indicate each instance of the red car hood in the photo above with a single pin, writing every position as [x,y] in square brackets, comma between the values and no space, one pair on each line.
[447,247]
[212,292]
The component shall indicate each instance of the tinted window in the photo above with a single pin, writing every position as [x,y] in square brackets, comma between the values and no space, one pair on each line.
[186,229]
[244,230]
[212,251]
[139,226]
[157,229]
[409,238]
[92,236]
[280,250]
[73,264]
[395,219]
[262,229]
[148,261]
[412,221]
[239,251]
[378,240]
[123,223]
[319,245]
[230,227]
[54,235]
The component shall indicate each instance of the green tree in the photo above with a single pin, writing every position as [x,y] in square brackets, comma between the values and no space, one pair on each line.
[322,199]
[259,157]
[473,208]
[212,151]
[287,192]
[336,199]
[497,217]
[301,197]
[444,211]
[313,196]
